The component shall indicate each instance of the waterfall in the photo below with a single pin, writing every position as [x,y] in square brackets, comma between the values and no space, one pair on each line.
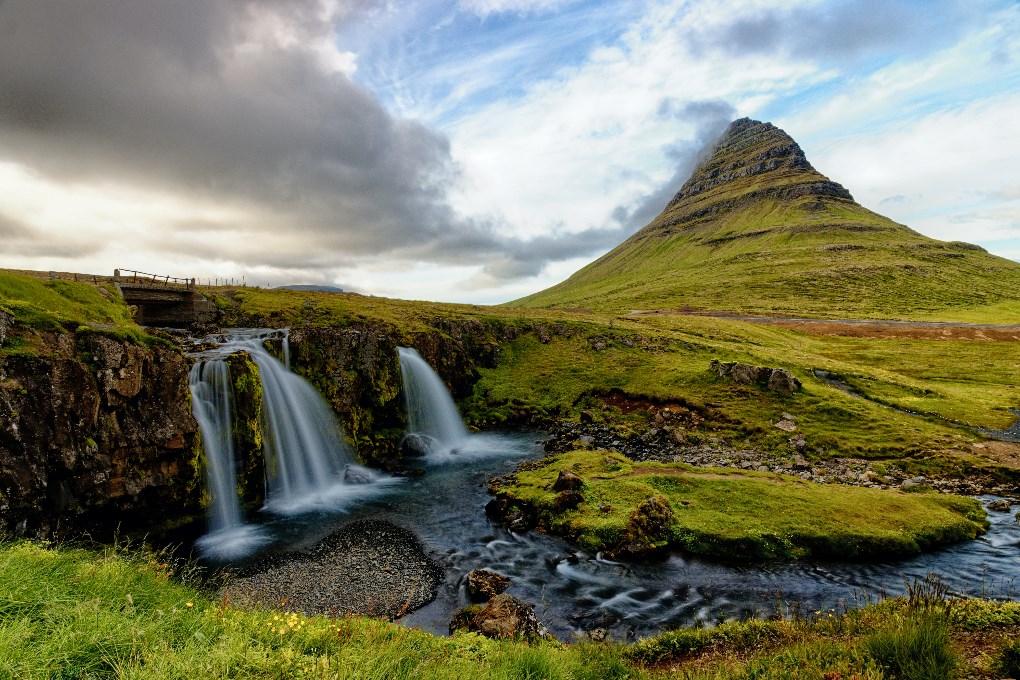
[430,408]
[308,463]
[211,391]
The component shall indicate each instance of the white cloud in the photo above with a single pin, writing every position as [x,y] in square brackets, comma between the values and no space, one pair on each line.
[484,8]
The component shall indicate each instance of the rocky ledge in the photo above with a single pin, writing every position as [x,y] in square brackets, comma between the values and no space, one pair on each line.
[367,567]
[667,440]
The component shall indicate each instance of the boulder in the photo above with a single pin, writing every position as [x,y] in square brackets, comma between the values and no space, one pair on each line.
[483,585]
[567,481]
[783,382]
[648,528]
[1000,505]
[505,616]
[416,445]
[778,380]
[354,474]
[567,500]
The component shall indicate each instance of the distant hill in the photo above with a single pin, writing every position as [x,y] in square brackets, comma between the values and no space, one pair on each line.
[756,229]
[311,286]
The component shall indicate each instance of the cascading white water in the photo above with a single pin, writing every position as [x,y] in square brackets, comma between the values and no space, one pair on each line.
[211,398]
[430,408]
[211,403]
[308,464]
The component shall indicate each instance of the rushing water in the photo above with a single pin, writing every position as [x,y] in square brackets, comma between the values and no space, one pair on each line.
[211,397]
[430,408]
[572,591]
[308,463]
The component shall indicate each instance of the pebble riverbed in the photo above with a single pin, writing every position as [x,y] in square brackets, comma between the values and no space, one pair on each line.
[367,567]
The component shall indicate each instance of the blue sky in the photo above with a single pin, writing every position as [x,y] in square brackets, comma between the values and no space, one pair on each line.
[473,150]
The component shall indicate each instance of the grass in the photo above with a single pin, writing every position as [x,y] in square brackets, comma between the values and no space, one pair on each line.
[118,613]
[59,305]
[75,613]
[738,515]
[915,647]
[548,367]
[963,381]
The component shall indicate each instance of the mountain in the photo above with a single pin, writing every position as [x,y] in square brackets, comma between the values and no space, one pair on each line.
[311,287]
[757,230]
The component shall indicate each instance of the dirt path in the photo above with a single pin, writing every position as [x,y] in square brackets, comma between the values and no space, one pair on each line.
[869,328]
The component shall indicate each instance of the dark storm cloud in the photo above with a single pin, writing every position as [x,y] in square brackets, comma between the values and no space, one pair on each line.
[11,228]
[204,100]
[188,96]
[842,30]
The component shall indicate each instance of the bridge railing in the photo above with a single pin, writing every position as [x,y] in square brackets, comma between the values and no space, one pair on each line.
[155,280]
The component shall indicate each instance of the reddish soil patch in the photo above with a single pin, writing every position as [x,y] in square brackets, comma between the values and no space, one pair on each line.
[910,331]
[1003,453]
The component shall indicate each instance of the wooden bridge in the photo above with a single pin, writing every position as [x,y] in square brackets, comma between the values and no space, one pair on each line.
[158,300]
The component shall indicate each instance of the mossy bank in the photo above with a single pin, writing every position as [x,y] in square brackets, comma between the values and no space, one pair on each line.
[606,502]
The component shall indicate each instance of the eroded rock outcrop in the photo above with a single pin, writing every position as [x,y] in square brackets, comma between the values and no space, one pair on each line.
[505,616]
[778,380]
[95,433]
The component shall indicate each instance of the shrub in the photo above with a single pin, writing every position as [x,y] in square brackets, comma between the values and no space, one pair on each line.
[1008,663]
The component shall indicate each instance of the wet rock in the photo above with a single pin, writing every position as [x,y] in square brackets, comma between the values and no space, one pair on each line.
[355,475]
[1000,505]
[416,445]
[598,635]
[567,500]
[94,433]
[483,585]
[567,481]
[505,616]
[367,567]
[6,323]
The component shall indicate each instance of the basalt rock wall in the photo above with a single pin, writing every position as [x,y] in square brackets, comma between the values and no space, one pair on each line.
[96,435]
[357,369]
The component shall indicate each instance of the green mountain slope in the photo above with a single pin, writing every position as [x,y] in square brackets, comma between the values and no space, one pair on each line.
[757,230]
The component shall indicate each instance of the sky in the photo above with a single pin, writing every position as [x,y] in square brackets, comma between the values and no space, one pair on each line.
[473,150]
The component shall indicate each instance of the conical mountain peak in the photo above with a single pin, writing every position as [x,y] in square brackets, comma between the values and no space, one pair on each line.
[751,160]
[757,229]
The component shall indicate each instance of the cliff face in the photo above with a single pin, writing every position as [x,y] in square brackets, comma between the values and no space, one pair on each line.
[95,433]
[357,370]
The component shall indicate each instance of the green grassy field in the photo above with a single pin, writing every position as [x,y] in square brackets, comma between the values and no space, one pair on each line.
[73,613]
[60,305]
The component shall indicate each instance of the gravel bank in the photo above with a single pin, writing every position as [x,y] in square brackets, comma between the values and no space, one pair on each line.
[367,567]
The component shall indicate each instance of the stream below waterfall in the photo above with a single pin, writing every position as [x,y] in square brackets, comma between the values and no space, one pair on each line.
[574,592]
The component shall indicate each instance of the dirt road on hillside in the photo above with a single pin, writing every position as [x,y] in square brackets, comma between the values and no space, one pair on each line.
[869,328]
